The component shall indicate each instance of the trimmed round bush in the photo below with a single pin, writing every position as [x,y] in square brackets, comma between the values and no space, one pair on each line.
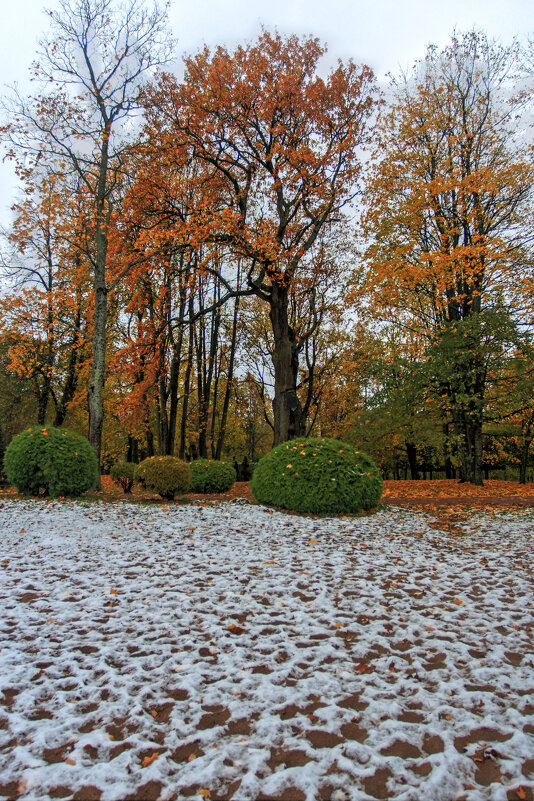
[123,474]
[50,461]
[165,475]
[317,475]
[210,475]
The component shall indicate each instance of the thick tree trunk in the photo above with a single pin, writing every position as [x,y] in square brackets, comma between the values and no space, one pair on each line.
[478,475]
[286,405]
[411,453]
[525,447]
[98,373]
[96,386]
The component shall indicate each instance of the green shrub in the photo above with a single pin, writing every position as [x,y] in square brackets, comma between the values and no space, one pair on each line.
[51,460]
[123,474]
[317,475]
[209,475]
[165,475]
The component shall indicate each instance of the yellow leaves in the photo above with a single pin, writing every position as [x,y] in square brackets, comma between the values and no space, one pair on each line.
[149,759]
[204,793]
[311,542]
[113,592]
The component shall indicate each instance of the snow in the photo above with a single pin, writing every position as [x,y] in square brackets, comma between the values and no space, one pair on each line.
[256,652]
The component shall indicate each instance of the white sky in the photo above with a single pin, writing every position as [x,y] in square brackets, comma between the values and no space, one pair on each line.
[386,34]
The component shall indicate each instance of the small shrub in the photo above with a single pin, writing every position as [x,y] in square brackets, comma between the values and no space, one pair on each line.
[123,474]
[165,475]
[209,475]
[317,475]
[49,460]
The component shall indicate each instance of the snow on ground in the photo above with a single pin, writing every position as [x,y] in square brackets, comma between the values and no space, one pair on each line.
[158,652]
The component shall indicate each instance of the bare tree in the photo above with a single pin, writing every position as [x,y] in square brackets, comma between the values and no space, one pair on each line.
[92,67]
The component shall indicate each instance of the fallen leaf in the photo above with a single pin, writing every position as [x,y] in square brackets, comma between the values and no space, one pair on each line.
[70,761]
[363,667]
[310,542]
[191,757]
[149,759]
[520,793]
[113,592]
[458,602]
[235,629]
[204,793]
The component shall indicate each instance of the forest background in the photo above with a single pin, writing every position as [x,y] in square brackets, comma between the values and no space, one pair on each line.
[270,246]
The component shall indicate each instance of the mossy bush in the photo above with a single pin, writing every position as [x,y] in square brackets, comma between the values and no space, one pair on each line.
[50,461]
[321,476]
[165,475]
[123,474]
[210,475]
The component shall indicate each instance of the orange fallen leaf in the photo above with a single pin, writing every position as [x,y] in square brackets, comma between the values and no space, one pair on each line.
[149,759]
[204,793]
[191,757]
[22,786]
[458,602]
[235,629]
[153,713]
[363,667]
[520,793]
[70,761]
[337,625]
[113,592]
[430,628]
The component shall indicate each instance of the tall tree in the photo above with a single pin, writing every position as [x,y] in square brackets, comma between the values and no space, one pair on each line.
[284,145]
[447,215]
[92,67]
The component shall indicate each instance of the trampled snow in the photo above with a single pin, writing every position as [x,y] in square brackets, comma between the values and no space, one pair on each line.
[232,651]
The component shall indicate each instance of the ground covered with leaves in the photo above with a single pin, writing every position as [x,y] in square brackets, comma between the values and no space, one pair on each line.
[176,651]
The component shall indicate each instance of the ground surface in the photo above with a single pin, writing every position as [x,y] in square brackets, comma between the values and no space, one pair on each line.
[165,651]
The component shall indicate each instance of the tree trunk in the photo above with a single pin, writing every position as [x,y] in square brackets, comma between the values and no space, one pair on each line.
[478,476]
[96,386]
[286,405]
[411,453]
[229,384]
[524,461]
[187,384]
[98,373]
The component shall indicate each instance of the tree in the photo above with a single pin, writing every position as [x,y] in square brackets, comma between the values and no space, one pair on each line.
[44,319]
[92,67]
[448,216]
[282,146]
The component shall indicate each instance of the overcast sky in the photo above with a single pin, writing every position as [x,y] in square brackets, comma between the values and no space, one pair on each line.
[386,34]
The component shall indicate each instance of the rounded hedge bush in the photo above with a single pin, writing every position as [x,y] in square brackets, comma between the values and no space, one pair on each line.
[210,475]
[49,460]
[123,474]
[165,475]
[317,475]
